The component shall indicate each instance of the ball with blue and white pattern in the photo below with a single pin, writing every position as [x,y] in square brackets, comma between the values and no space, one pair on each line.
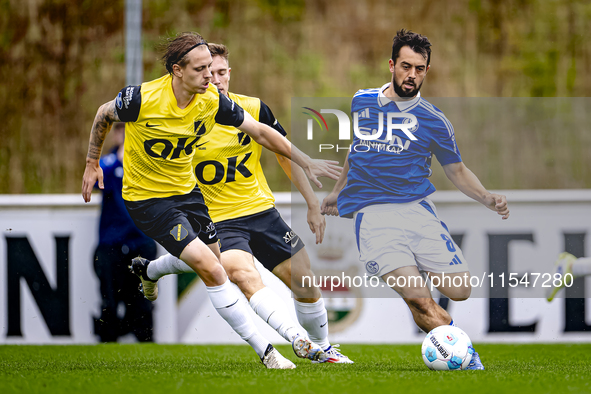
[447,348]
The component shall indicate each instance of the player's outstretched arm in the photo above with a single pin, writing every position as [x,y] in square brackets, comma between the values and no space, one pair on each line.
[103,121]
[316,221]
[470,185]
[275,142]
[329,204]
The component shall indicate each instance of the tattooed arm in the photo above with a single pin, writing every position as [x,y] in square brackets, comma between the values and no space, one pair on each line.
[103,121]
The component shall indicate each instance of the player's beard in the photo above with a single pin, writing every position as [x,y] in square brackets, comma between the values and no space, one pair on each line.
[403,93]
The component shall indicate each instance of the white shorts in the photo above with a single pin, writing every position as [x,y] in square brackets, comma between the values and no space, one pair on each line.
[391,236]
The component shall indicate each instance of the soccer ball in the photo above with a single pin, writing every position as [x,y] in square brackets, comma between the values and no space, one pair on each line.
[447,348]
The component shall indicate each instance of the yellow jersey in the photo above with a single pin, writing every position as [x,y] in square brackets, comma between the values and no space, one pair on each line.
[228,167]
[161,138]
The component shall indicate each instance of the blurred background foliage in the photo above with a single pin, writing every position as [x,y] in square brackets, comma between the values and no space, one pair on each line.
[61,59]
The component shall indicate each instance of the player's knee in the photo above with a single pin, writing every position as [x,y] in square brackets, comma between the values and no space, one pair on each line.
[299,266]
[212,274]
[457,293]
[245,278]
[217,271]
[460,293]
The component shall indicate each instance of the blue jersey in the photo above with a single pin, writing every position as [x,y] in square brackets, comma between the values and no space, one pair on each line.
[394,170]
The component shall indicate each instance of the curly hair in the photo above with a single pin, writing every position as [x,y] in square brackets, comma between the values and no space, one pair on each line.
[417,42]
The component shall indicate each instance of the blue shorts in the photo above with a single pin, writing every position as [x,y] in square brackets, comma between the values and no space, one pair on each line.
[264,235]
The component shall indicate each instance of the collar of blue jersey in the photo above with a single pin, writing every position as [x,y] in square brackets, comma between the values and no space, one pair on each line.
[403,105]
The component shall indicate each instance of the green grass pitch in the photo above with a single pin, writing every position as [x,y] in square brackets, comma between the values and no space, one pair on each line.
[150,368]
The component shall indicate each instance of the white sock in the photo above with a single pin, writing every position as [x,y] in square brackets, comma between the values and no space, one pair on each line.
[268,306]
[581,267]
[166,265]
[314,319]
[226,301]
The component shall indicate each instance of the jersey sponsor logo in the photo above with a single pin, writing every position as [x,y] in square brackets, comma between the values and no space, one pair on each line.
[118,101]
[289,236]
[178,232]
[161,148]
[128,96]
[220,171]
[372,267]
[152,125]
